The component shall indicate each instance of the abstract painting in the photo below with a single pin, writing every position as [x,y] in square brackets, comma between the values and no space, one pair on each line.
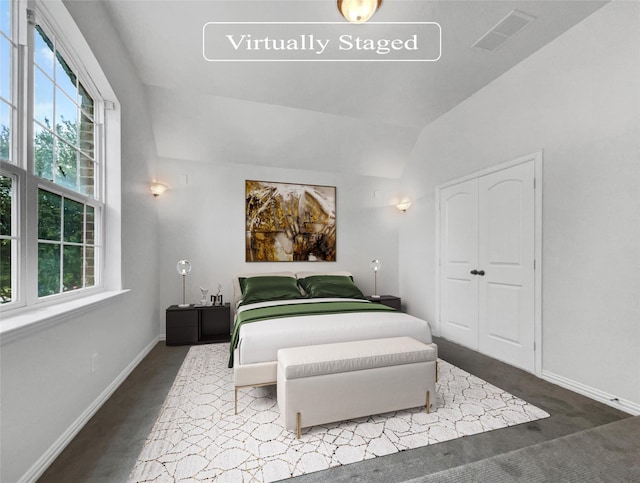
[288,222]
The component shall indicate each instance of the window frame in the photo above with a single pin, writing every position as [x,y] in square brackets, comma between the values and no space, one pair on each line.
[41,183]
[15,81]
[17,245]
[55,20]
[82,78]
[13,168]
[68,194]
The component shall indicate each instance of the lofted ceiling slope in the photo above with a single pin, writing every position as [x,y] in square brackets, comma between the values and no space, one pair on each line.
[344,117]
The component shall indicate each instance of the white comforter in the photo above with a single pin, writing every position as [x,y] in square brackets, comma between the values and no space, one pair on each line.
[260,341]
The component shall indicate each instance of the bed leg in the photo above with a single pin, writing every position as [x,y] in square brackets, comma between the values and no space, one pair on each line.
[298,432]
[428,402]
[436,371]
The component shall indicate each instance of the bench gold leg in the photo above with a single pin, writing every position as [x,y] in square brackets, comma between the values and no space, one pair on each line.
[428,403]
[235,405]
[298,425]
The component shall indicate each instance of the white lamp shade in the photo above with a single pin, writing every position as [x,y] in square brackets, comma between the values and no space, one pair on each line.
[183,267]
[375,265]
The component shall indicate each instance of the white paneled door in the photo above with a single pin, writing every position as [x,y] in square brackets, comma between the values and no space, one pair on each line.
[458,258]
[487,250]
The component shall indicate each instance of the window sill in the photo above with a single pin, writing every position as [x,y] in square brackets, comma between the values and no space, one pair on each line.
[13,327]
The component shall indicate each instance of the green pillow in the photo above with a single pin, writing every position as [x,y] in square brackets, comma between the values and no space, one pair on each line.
[264,289]
[323,286]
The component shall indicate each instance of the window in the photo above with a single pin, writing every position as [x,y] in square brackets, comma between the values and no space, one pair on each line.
[63,142]
[66,244]
[8,240]
[8,56]
[63,126]
[8,228]
[52,158]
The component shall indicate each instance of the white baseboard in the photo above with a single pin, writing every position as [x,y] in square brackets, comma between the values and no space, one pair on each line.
[162,337]
[593,393]
[61,443]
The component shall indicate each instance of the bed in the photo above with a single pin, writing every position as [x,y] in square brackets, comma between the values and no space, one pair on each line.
[279,310]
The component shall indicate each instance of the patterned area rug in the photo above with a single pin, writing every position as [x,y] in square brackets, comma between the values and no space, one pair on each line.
[198,437]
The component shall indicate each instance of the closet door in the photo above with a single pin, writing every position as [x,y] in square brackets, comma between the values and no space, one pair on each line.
[506,254]
[458,257]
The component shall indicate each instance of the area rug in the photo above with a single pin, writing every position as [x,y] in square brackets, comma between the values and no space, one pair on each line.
[197,437]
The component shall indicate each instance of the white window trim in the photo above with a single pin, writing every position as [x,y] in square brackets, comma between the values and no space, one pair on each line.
[28,314]
[19,192]
[25,323]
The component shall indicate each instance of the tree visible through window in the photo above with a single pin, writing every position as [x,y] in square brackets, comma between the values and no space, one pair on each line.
[66,244]
[63,154]
[7,197]
[6,239]
[63,121]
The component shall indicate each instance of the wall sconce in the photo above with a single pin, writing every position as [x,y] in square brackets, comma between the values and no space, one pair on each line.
[157,189]
[403,206]
[358,11]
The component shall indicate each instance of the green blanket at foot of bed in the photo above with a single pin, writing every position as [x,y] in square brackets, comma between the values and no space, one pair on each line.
[295,310]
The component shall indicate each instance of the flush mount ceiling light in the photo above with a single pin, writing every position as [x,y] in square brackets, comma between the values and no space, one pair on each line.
[358,11]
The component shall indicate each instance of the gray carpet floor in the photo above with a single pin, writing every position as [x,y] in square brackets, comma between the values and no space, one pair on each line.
[106,449]
[609,453]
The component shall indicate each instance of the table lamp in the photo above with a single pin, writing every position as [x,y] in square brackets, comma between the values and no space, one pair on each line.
[375,265]
[183,267]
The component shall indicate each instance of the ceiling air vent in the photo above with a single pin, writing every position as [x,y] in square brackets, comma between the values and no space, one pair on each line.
[504,29]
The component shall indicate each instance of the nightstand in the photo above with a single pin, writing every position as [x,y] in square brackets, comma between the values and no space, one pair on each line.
[198,324]
[388,300]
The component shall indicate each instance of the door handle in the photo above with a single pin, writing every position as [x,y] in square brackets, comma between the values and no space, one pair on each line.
[481,273]
[473,272]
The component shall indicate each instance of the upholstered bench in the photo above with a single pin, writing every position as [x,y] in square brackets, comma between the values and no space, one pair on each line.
[333,382]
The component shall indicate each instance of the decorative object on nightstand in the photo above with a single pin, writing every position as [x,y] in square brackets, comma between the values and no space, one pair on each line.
[375,265]
[183,267]
[388,300]
[203,299]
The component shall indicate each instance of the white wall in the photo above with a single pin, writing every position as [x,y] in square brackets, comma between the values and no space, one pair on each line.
[46,385]
[578,100]
[204,221]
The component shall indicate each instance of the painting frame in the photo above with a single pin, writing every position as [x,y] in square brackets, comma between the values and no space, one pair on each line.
[290,222]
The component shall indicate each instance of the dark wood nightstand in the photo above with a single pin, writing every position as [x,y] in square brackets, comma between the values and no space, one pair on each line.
[198,324]
[388,300]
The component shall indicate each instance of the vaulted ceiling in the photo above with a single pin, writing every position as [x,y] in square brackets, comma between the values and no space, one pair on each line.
[345,117]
